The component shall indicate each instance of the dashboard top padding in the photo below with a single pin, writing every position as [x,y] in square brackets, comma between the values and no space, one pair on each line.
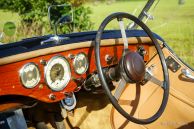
[32,44]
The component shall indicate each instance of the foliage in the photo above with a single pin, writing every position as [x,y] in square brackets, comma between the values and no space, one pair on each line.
[33,14]
[80,22]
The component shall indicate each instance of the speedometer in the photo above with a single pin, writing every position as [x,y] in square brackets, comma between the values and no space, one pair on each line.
[57,73]
[80,63]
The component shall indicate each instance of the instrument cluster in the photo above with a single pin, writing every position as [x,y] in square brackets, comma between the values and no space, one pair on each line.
[57,71]
[51,77]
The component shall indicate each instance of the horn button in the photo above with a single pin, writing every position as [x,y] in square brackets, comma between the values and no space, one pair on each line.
[134,66]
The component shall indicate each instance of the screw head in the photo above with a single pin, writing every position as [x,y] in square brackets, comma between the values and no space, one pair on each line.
[71,56]
[108,58]
[43,62]
[52,97]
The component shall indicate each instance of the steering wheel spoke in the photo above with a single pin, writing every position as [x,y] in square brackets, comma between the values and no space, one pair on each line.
[150,77]
[123,33]
[121,86]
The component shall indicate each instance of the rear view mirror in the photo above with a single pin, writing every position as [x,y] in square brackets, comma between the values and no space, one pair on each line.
[9,29]
[59,15]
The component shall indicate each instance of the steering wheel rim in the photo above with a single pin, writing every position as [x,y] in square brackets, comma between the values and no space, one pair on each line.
[120,15]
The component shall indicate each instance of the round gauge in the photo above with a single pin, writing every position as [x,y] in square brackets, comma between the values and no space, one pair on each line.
[57,73]
[30,75]
[80,63]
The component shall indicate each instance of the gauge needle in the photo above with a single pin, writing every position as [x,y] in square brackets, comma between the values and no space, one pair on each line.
[80,64]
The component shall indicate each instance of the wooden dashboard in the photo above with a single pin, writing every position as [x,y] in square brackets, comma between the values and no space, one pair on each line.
[11,84]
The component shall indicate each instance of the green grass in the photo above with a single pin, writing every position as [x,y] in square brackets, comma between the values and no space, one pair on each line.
[173,22]
[102,10]
[178,27]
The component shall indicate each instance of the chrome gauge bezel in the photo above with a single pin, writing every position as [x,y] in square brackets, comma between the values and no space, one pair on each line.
[21,74]
[74,63]
[48,68]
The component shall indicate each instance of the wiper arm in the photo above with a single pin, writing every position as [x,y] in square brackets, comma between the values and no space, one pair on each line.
[144,13]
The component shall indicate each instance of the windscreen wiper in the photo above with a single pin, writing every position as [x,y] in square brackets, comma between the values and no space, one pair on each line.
[144,13]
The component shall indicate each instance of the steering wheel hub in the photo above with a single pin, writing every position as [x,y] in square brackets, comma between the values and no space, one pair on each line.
[134,66]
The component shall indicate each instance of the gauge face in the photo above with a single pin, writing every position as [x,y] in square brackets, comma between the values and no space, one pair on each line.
[30,75]
[80,63]
[57,73]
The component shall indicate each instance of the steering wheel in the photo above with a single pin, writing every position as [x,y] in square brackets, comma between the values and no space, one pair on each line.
[131,67]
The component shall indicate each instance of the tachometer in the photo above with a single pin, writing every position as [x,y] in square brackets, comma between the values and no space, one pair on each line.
[30,75]
[80,63]
[57,73]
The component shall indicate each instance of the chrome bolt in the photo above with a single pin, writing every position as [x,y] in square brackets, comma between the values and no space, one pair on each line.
[71,56]
[108,58]
[43,62]
[52,97]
